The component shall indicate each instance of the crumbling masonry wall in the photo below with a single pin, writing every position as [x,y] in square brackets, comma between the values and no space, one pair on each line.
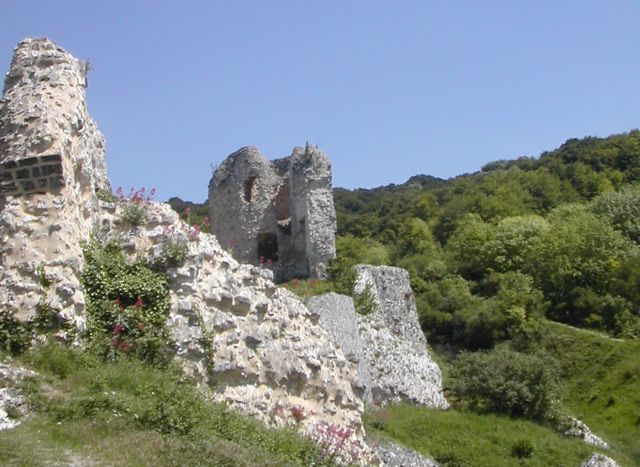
[51,166]
[278,214]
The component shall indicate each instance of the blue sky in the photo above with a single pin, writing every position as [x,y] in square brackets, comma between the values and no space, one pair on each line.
[389,89]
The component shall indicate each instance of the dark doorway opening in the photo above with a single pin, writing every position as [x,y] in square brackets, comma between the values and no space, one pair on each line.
[267,247]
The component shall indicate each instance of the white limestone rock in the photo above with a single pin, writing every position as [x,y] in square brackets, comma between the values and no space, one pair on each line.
[338,316]
[11,399]
[395,349]
[394,455]
[51,165]
[599,460]
[579,429]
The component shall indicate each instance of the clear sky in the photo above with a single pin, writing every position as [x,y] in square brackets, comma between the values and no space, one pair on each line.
[389,89]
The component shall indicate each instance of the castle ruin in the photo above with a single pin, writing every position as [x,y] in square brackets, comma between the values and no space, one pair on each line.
[278,214]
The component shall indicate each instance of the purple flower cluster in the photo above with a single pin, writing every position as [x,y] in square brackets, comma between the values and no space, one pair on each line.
[337,443]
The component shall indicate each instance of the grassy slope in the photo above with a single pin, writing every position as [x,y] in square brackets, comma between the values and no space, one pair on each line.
[601,378]
[602,384]
[456,438]
[125,413]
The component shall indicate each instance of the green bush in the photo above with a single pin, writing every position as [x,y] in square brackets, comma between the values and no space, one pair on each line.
[174,251]
[364,302]
[509,382]
[133,214]
[522,449]
[15,335]
[127,304]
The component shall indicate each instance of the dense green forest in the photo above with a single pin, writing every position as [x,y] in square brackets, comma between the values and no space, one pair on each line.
[491,253]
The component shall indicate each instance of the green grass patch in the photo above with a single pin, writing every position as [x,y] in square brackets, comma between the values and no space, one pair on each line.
[601,383]
[460,438]
[305,288]
[127,413]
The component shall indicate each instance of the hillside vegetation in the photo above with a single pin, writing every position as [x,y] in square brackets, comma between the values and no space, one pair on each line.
[490,253]
[498,260]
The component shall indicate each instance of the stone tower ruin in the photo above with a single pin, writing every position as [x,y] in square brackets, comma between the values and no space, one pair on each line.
[278,213]
[51,167]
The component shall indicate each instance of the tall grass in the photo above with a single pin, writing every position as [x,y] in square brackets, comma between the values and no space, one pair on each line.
[127,413]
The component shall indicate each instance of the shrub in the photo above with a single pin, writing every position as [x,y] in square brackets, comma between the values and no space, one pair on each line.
[522,449]
[364,302]
[134,205]
[133,214]
[15,335]
[174,251]
[127,304]
[508,382]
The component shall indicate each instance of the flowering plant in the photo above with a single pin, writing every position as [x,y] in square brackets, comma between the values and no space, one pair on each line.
[133,209]
[338,444]
[132,330]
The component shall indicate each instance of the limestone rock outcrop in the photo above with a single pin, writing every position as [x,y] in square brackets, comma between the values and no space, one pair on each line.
[578,429]
[387,344]
[13,406]
[394,455]
[599,460]
[395,349]
[51,166]
[337,315]
[278,214]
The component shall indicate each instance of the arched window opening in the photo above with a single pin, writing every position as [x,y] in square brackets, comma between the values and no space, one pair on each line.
[267,248]
[250,189]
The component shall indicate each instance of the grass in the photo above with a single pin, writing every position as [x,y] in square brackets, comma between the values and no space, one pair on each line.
[458,438]
[126,413]
[601,384]
[305,288]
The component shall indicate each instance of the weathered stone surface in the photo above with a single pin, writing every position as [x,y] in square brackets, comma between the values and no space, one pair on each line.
[599,460]
[388,345]
[338,316]
[394,455]
[579,429]
[395,349]
[257,346]
[278,214]
[11,399]
[51,149]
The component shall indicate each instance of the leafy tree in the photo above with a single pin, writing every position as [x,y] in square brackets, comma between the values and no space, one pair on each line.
[622,210]
[578,252]
[467,247]
[509,382]
[508,248]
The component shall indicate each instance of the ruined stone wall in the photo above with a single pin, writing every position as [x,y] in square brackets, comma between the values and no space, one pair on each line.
[252,344]
[277,214]
[51,165]
[268,354]
[387,345]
